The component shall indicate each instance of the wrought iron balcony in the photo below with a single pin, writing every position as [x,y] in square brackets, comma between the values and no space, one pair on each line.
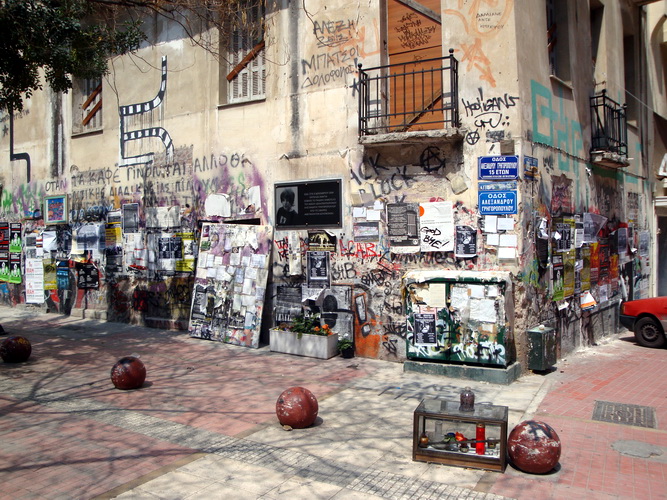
[410,96]
[609,129]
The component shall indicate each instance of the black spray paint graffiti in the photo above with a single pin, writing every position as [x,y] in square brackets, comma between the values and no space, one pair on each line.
[432,159]
[381,181]
[487,113]
[134,135]
[411,33]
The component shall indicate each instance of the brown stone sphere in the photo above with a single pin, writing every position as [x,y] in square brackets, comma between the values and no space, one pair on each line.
[128,373]
[534,447]
[296,407]
[15,349]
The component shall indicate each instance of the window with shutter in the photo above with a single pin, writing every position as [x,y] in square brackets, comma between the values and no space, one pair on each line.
[246,69]
[86,105]
[558,39]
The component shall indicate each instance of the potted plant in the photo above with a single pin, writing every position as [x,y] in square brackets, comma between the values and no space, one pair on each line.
[304,336]
[346,348]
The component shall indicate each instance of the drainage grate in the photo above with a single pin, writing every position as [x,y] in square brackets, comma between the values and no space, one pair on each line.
[620,413]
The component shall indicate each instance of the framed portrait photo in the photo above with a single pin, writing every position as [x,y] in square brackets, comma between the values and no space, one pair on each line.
[308,204]
[55,209]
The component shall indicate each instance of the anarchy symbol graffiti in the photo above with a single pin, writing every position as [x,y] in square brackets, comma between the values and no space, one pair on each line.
[431,159]
[472,138]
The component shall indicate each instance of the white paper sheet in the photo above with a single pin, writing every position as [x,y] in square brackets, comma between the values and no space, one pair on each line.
[373,215]
[490,223]
[483,310]
[436,226]
[506,253]
[505,223]
[508,240]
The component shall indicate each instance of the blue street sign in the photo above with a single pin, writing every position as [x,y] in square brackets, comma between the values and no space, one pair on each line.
[497,202]
[498,167]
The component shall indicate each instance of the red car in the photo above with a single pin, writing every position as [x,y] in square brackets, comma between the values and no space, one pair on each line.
[648,319]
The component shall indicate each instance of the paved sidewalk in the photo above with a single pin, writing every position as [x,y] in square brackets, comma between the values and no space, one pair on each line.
[204,424]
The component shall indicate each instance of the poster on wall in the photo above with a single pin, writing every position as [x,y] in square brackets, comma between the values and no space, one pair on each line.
[88,276]
[403,227]
[15,241]
[425,329]
[34,281]
[466,242]
[50,282]
[4,265]
[130,218]
[319,275]
[15,268]
[312,203]
[230,283]
[436,226]
[288,304]
[644,243]
[568,273]
[62,274]
[557,277]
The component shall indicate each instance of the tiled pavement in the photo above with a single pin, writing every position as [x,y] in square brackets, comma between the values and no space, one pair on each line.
[204,425]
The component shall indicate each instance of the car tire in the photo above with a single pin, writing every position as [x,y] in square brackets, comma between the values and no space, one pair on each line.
[649,333]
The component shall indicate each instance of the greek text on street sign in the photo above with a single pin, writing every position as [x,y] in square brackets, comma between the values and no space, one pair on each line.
[498,167]
[496,201]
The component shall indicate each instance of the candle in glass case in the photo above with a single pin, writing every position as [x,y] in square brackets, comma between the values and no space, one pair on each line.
[480,437]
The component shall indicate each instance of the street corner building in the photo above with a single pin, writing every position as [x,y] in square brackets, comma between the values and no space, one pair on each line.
[433,179]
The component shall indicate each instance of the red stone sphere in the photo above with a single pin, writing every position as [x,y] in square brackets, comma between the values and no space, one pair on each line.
[15,349]
[296,407]
[128,373]
[534,447]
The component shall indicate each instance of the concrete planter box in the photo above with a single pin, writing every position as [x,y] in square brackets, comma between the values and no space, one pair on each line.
[313,346]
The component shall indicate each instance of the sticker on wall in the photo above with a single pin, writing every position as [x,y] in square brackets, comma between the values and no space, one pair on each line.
[321,241]
[366,231]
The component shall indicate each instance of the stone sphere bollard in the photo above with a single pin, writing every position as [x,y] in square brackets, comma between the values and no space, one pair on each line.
[128,373]
[297,408]
[15,349]
[534,447]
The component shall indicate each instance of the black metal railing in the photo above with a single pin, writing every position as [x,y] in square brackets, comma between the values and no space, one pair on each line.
[609,127]
[415,95]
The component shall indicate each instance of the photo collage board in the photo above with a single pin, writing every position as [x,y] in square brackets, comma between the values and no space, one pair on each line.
[230,283]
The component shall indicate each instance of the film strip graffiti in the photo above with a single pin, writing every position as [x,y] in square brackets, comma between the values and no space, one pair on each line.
[144,133]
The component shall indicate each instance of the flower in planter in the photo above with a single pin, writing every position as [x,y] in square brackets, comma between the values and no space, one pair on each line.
[308,324]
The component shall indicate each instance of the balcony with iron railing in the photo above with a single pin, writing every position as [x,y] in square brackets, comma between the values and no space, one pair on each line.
[609,132]
[414,96]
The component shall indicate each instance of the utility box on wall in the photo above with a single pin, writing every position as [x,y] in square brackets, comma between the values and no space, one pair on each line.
[541,348]
[458,317]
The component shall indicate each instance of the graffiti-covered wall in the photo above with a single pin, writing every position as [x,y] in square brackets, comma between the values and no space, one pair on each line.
[108,201]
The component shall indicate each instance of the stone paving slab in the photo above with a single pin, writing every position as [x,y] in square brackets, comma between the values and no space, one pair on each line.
[204,424]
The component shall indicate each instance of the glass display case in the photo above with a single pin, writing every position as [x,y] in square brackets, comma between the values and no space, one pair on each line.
[446,435]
